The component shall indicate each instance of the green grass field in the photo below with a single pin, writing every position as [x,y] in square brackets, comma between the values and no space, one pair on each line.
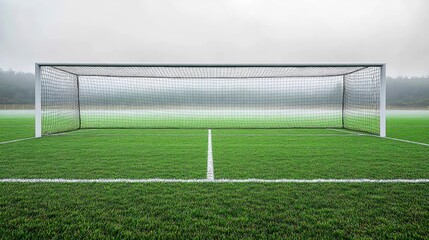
[208,210]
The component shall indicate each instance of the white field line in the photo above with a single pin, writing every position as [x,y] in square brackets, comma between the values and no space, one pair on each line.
[86,130]
[395,139]
[289,134]
[72,132]
[407,141]
[16,140]
[20,126]
[132,134]
[216,134]
[210,168]
[160,180]
[349,132]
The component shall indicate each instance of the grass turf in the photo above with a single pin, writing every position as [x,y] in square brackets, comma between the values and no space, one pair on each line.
[214,210]
[16,125]
[409,125]
[207,211]
[147,155]
[312,157]
[238,154]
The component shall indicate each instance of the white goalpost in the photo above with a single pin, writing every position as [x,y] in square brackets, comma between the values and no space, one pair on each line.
[90,96]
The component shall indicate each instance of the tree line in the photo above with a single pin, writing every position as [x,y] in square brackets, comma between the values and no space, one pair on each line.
[16,87]
[408,92]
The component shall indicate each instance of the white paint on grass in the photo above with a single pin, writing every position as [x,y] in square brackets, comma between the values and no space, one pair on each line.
[289,134]
[407,141]
[16,140]
[210,168]
[349,132]
[395,139]
[19,126]
[131,134]
[71,133]
[217,134]
[160,180]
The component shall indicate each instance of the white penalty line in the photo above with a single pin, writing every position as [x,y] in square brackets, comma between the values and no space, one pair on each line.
[160,180]
[210,168]
[16,140]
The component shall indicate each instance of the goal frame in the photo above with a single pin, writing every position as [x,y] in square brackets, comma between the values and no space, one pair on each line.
[38,87]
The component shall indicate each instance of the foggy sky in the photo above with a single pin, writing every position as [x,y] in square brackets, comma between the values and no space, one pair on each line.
[391,31]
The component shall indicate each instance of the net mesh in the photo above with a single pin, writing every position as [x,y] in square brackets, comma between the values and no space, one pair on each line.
[209,97]
[60,101]
[362,100]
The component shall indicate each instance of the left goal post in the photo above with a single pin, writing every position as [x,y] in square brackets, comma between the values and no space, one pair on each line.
[38,102]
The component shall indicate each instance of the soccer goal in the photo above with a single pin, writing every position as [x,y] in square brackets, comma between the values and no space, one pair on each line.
[89,96]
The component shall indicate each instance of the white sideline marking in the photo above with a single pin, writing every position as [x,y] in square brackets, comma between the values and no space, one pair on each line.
[122,180]
[210,168]
[407,141]
[16,140]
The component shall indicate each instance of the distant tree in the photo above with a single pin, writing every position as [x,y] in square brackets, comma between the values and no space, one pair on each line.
[408,92]
[16,87]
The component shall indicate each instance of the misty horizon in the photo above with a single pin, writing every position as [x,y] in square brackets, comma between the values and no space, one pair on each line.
[226,31]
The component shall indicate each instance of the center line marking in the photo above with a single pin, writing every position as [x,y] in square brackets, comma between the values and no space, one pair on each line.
[210,169]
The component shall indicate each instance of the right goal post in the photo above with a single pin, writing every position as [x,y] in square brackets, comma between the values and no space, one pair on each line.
[88,96]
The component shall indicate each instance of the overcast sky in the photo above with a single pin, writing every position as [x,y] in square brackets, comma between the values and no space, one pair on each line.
[391,31]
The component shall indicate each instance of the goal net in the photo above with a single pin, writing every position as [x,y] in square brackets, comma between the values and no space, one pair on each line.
[73,96]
